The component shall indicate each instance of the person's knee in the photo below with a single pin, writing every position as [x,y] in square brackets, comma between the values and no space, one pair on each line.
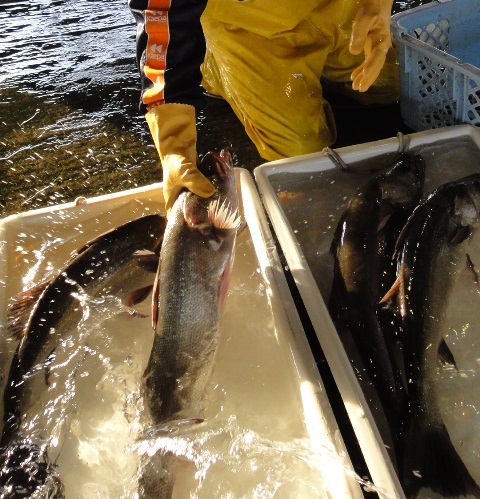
[308,135]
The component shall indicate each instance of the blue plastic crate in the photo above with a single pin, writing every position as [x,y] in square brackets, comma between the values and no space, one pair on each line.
[438,49]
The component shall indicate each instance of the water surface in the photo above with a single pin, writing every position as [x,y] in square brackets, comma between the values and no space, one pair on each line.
[69,120]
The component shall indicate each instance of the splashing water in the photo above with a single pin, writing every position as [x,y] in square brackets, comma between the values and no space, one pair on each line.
[223,450]
[253,441]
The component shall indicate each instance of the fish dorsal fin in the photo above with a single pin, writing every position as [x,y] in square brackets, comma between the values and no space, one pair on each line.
[445,355]
[21,309]
[397,290]
[155,294]
[147,260]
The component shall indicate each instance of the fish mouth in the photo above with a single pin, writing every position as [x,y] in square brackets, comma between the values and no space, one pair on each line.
[217,164]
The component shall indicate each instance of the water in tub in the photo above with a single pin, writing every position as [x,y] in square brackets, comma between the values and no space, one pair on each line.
[314,202]
[253,442]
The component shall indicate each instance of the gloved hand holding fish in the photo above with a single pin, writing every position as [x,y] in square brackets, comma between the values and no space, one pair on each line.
[191,288]
[174,132]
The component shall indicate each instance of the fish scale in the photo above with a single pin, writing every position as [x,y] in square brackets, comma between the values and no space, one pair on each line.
[193,276]
[429,250]
[363,247]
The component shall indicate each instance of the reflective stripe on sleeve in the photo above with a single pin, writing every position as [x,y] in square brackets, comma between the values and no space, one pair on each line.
[157,29]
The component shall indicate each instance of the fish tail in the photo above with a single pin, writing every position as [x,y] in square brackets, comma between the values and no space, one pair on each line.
[431,461]
[25,470]
[157,476]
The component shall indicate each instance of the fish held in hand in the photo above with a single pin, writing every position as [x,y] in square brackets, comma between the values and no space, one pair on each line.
[192,284]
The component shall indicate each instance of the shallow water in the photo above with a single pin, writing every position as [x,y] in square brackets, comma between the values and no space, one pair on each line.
[69,93]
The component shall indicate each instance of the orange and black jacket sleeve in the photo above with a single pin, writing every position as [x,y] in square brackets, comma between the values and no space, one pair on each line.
[170,50]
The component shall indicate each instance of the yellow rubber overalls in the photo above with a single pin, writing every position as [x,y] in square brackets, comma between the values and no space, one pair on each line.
[266,58]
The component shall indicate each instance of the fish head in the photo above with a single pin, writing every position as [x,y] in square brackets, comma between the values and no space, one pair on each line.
[216,216]
[208,226]
[465,210]
[218,168]
[406,186]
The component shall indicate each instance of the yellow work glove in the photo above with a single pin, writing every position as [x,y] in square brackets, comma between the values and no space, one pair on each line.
[371,35]
[174,132]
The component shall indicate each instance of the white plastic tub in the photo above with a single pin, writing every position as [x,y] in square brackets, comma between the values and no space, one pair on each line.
[269,427]
[304,198]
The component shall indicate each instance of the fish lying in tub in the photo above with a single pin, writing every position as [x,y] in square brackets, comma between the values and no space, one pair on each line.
[363,247]
[388,235]
[430,250]
[46,319]
[193,278]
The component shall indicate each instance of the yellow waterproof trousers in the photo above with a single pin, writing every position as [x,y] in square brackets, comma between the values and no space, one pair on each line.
[268,68]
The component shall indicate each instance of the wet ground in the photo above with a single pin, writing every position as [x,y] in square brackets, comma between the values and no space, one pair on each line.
[69,121]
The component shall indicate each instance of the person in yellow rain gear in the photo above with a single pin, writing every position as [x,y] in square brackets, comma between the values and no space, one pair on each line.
[266,58]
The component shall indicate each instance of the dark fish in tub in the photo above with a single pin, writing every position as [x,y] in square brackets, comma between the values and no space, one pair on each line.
[193,278]
[363,248]
[44,318]
[430,250]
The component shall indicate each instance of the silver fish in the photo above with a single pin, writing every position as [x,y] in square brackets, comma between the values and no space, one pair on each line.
[44,318]
[428,249]
[193,278]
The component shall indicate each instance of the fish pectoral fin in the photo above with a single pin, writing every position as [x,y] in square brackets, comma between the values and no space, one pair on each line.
[21,308]
[471,268]
[397,290]
[460,234]
[383,222]
[445,355]
[155,294]
[147,260]
[392,291]
[137,296]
